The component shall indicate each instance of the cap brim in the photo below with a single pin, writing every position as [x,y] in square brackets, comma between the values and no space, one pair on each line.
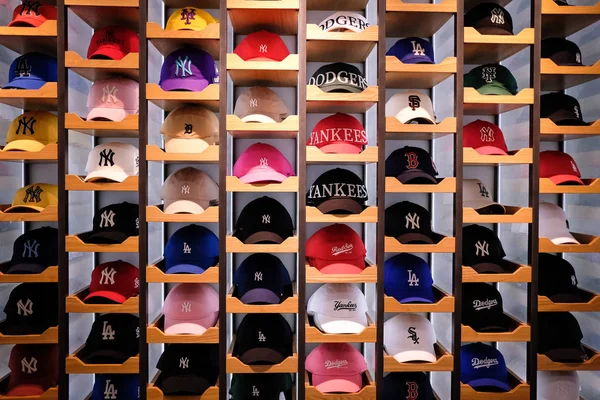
[105,294]
[419,115]
[355,266]
[492,30]
[108,174]
[416,355]
[428,298]
[261,118]
[341,88]
[350,206]
[185,206]
[192,85]
[191,327]
[410,59]
[330,324]
[568,297]
[567,354]
[24,21]
[263,176]
[26,390]
[23,208]
[262,355]
[103,356]
[416,174]
[489,382]
[337,384]
[570,122]
[563,237]
[414,237]
[105,237]
[25,83]
[489,267]
[185,269]
[500,323]
[26,269]
[24,145]
[481,204]
[111,53]
[188,146]
[8,327]
[491,151]
[260,295]
[493,89]
[264,237]
[111,114]
[565,178]
[341,148]
[184,384]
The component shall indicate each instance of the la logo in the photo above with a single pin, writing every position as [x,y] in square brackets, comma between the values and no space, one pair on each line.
[108,332]
[261,337]
[417,49]
[109,390]
[412,278]
[255,392]
[186,248]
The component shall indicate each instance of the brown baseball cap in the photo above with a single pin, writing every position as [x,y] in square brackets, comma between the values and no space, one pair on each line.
[260,104]
[189,190]
[190,129]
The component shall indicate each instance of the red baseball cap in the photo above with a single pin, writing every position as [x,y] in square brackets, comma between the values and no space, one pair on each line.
[115,281]
[113,43]
[32,13]
[336,249]
[33,369]
[559,167]
[339,133]
[262,46]
[486,138]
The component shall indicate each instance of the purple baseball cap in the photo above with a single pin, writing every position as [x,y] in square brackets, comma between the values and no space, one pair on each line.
[188,69]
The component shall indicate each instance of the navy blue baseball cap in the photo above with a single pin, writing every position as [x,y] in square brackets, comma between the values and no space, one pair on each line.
[412,50]
[116,386]
[262,279]
[191,250]
[407,278]
[32,71]
[34,251]
[407,385]
[482,366]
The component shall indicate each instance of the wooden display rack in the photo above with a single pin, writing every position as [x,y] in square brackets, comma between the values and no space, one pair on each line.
[22,39]
[522,156]
[287,306]
[74,244]
[315,156]
[263,73]
[318,101]
[75,304]
[314,335]
[555,77]
[592,364]
[167,41]
[417,19]
[78,183]
[156,214]
[481,49]
[126,128]
[445,362]
[443,244]
[367,275]
[153,392]
[155,274]
[591,305]
[96,12]
[417,76]
[550,132]
[48,214]
[479,104]
[521,332]
[50,274]
[169,100]
[590,186]
[48,154]
[233,365]
[519,391]
[396,130]
[444,185]
[155,153]
[50,394]
[444,303]
[368,391]
[50,335]
[513,215]
[520,273]
[286,129]
[587,244]
[249,16]
[44,98]
[560,21]
[289,245]
[156,334]
[74,365]
[290,184]
[93,70]
[369,214]
[322,46]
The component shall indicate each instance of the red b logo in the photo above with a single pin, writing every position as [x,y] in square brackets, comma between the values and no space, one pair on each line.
[412,161]
[412,391]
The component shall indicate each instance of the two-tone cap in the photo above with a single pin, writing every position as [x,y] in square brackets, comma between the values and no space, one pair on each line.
[559,337]
[336,249]
[411,107]
[32,71]
[339,77]
[482,250]
[113,162]
[191,250]
[489,19]
[407,278]
[34,251]
[338,134]
[260,104]
[411,165]
[261,387]
[559,167]
[263,339]
[554,224]
[35,197]
[262,46]
[336,368]
[33,369]
[558,385]
[190,308]
[407,385]
[113,224]
[113,99]
[262,162]
[189,18]
[113,282]
[483,366]
[113,43]
[476,195]
[262,279]
[344,21]
[32,14]
[338,308]
[264,220]
[339,191]
[190,129]
[562,109]
[561,51]
[113,339]
[188,369]
[31,309]
[408,223]
[482,308]
[32,131]
[409,337]
[492,79]
[116,387]
[412,50]
[188,69]
[557,280]
[189,190]
[485,137]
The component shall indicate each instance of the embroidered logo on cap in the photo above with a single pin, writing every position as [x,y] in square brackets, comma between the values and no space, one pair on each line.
[417,48]
[109,390]
[261,337]
[487,134]
[30,366]
[413,220]
[183,67]
[483,190]
[412,161]
[188,129]
[186,248]
[108,276]
[483,363]
[344,305]
[412,391]
[30,249]
[109,94]
[412,335]
[255,391]
[258,276]
[266,219]
[108,333]
[488,74]
[28,6]
[25,309]
[107,158]
[337,364]
[184,363]
[497,16]
[107,219]
[186,307]
[23,68]
[414,102]
[346,248]
[482,247]
[412,278]
[484,304]
[33,194]
[28,126]
[263,48]
[188,15]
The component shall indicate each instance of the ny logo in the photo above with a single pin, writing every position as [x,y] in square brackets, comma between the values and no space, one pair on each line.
[412,160]
[106,157]
[578,58]
[183,67]
[413,220]
[186,248]
[33,193]
[412,391]
[23,68]
[253,103]
[576,111]
[261,337]
[488,74]
[107,332]
[417,49]
[29,6]
[107,219]
[412,278]
[109,36]
[26,125]
[497,16]
[263,48]
[255,391]
[266,219]
[487,134]
[29,366]
[109,94]
[573,280]
[258,276]
[412,335]
[188,15]
[109,390]
[186,307]
[108,276]
[185,189]
[414,102]
[264,162]
[483,248]
[25,309]
[483,190]
[184,362]
[30,249]
[188,129]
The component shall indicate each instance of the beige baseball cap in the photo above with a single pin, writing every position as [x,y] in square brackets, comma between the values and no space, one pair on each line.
[260,104]
[189,190]
[190,129]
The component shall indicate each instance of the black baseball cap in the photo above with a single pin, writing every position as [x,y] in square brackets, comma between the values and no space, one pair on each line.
[408,223]
[492,79]
[561,2]
[411,165]
[113,224]
[261,387]
[407,385]
[561,51]
[188,369]
[264,220]
[31,309]
[114,338]
[557,280]
[482,308]
[339,77]
[483,251]
[338,191]
[34,251]
[559,337]
[562,109]
[262,279]
[263,339]
[489,19]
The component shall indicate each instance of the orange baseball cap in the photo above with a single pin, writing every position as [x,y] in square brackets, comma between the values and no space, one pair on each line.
[33,14]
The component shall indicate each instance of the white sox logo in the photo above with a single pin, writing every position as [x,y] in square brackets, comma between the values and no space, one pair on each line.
[109,94]
[108,276]
[30,366]
[488,74]
[497,16]
[30,249]
[412,278]
[412,335]
[25,309]
[26,125]
[487,134]
[412,391]
[576,111]
[413,220]
[184,363]
[107,219]
[414,102]
[109,390]
[417,48]
[483,248]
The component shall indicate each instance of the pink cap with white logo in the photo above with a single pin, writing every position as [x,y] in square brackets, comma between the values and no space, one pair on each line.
[190,308]
[113,99]
[336,367]
[262,162]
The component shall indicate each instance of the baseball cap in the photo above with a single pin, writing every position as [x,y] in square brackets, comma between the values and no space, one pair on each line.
[260,104]
[482,250]
[116,387]
[262,162]
[336,249]
[338,191]
[188,369]
[190,308]
[476,195]
[483,367]
[561,2]
[32,131]
[262,46]
[562,109]
[188,69]
[338,308]
[485,137]
[411,165]
[407,385]
[33,369]
[344,21]
[338,134]
[113,224]
[407,278]
[34,251]
[191,250]
[32,71]
[31,309]
[113,282]
[489,19]
[561,51]
[113,43]
[408,223]
[339,77]
[336,368]
[557,280]
[189,18]
[35,197]
[492,79]
[554,224]
[263,339]
[558,385]
[113,339]
[412,50]
[32,14]
[261,386]
[189,190]
[262,279]
[409,337]
[190,129]
[559,337]
[482,308]
[264,220]
[411,107]
[112,161]
[559,167]
[113,99]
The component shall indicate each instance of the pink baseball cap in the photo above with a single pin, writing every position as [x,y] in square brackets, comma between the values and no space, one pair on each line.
[336,367]
[190,308]
[262,162]
[113,99]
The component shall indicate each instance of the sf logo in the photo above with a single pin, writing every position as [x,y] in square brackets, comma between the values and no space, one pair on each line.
[414,102]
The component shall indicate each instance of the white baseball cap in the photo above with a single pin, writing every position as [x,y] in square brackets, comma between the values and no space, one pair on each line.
[477,195]
[409,337]
[338,308]
[112,161]
[558,385]
[554,224]
[189,190]
[411,106]
[344,21]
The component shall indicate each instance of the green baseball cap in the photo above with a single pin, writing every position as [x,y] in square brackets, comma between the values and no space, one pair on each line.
[261,386]
[493,79]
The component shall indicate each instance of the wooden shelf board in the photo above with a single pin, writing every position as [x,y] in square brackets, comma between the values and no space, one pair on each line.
[417,76]
[74,365]
[369,274]
[169,100]
[167,41]
[588,244]
[592,364]
[126,128]
[155,334]
[50,274]
[96,13]
[520,333]
[417,19]
[482,49]
[550,132]
[444,303]
[592,305]
[445,244]
[233,305]
[27,39]
[479,104]
[286,129]
[556,77]
[322,46]
[349,5]
[444,362]
[249,16]
[100,69]
[155,153]
[233,365]
[468,4]
[369,214]
[234,245]
[290,184]
[446,185]
[77,183]
[522,156]
[561,21]
[318,101]
[155,274]
[154,393]
[514,215]
[314,335]
[210,4]
[44,98]
[521,273]
[48,214]
[263,73]
[156,214]
[519,391]
[75,304]
[75,245]
[48,154]
[394,129]
[591,186]
[368,391]
[49,336]
[315,156]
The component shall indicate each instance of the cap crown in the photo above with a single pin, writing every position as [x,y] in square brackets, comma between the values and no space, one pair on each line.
[409,158]
[480,361]
[491,74]
[408,332]
[263,331]
[489,15]
[121,217]
[191,122]
[410,106]
[405,218]
[337,128]
[190,359]
[190,302]
[40,126]
[262,45]
[31,309]
[559,330]
[337,183]
[552,219]
[339,77]
[118,38]
[559,107]
[558,385]
[38,246]
[116,276]
[264,214]
[262,271]
[115,93]
[193,245]
[33,364]
[34,67]
[261,100]
[261,157]
[407,385]
[481,303]
[335,359]
[188,69]
[116,332]
[338,300]
[121,157]
[39,195]
[121,386]
[337,242]
[412,50]
[554,162]
[191,18]
[480,244]
[483,133]
[191,184]
[561,51]
[32,13]
[474,191]
[408,278]
[556,276]
[263,386]
[344,21]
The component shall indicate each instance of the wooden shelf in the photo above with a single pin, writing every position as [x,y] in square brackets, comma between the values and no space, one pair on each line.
[521,332]
[444,303]
[49,336]
[417,76]
[395,129]
[44,98]
[322,46]
[369,274]
[50,274]
[75,304]
[555,77]
[75,245]
[263,73]
[591,186]
[368,335]
[126,128]
[290,184]
[417,19]
[169,100]
[233,305]
[289,245]
[592,364]
[74,365]
[94,70]
[318,101]
[286,129]
[368,391]
[156,214]
[155,274]
[560,21]
[96,12]
[588,244]
[77,183]
[155,153]
[49,213]
[47,154]
[481,104]
[204,4]
[519,273]
[482,49]
[445,185]
[167,41]
[155,334]
[444,244]
[514,215]
[519,391]
[50,394]
[522,156]
[444,362]
[349,5]
[153,392]
[550,132]
[249,16]
[233,365]
[26,39]
[591,305]
[369,214]
[315,156]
